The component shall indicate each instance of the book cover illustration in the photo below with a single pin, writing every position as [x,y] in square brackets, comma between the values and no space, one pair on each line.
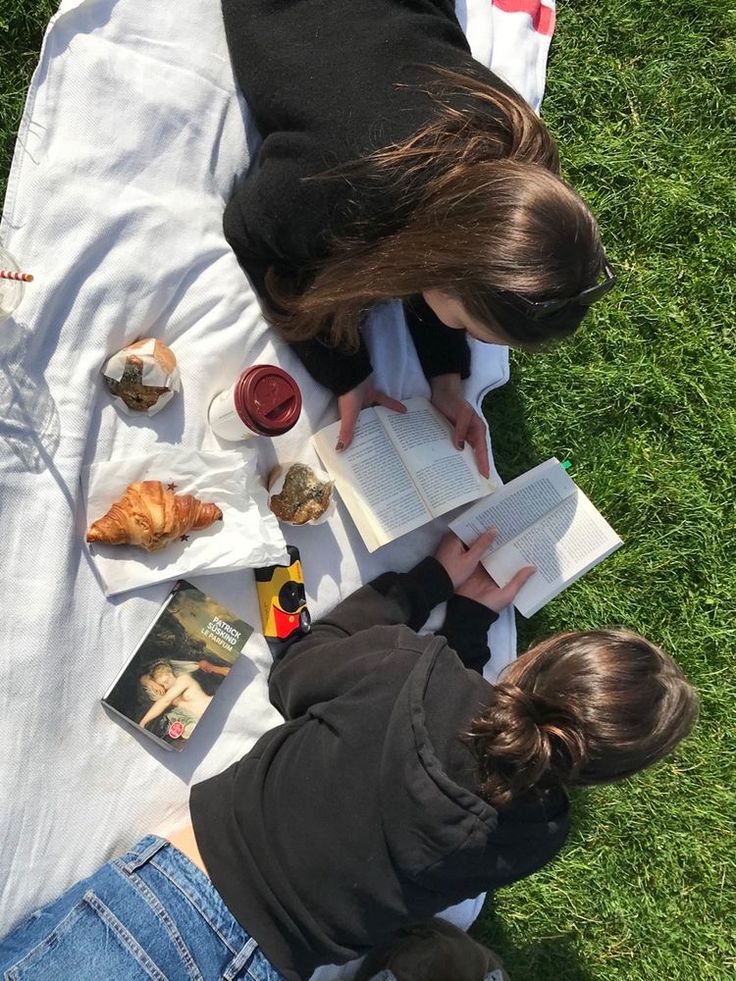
[174,674]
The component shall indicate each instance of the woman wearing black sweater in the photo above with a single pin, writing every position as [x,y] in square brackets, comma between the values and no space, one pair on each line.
[395,166]
[400,783]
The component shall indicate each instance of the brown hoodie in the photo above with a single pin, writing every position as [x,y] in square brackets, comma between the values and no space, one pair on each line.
[361,815]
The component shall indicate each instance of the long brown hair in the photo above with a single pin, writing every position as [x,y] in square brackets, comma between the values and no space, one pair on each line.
[481,208]
[580,708]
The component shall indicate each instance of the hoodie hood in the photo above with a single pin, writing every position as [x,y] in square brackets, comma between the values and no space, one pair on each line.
[440,833]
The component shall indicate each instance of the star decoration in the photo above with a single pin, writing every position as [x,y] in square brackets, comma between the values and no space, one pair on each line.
[184,538]
[171,486]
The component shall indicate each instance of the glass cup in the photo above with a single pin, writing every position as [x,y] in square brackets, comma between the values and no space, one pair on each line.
[11,290]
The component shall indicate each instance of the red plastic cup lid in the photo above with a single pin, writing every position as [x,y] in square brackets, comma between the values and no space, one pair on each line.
[267,399]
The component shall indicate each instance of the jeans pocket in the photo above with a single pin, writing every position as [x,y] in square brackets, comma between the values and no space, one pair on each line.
[89,943]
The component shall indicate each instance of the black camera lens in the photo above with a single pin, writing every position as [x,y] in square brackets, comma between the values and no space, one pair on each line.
[291,596]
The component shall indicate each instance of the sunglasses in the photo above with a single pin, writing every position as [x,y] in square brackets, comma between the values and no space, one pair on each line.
[538,309]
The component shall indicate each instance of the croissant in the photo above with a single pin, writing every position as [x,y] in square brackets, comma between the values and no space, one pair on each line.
[150,515]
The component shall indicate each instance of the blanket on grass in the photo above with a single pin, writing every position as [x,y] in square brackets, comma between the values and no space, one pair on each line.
[131,142]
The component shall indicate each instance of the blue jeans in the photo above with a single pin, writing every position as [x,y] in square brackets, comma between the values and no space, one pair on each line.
[151,914]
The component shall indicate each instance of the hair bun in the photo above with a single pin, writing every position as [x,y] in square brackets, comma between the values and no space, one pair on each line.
[526,742]
[581,708]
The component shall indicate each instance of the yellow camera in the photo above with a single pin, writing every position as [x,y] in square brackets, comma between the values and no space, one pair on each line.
[282,599]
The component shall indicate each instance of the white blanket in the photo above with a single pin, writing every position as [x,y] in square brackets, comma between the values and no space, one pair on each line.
[131,142]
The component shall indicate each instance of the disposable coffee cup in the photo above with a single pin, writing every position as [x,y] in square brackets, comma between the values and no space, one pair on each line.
[11,290]
[264,401]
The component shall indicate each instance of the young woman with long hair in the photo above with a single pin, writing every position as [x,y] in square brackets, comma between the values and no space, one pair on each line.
[395,166]
[400,783]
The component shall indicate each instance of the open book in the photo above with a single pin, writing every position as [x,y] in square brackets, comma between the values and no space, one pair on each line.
[543,519]
[400,471]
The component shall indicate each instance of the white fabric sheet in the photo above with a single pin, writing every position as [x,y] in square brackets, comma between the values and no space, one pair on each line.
[131,142]
[247,536]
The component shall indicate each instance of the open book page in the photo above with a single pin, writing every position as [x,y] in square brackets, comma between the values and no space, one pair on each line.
[516,505]
[372,481]
[543,520]
[563,545]
[445,477]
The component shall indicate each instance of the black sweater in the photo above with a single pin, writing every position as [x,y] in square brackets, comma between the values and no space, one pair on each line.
[320,78]
[361,814]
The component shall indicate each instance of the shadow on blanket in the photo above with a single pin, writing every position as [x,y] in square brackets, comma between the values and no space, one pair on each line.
[29,420]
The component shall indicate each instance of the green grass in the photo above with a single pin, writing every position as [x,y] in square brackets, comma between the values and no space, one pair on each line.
[643,402]
[22,23]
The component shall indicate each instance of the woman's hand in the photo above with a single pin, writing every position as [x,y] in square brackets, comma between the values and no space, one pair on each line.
[448,398]
[353,401]
[460,562]
[479,586]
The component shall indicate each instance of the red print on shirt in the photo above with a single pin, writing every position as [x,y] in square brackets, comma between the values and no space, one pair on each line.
[543,18]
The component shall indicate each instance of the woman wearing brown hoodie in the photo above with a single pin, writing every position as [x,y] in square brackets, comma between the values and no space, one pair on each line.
[400,783]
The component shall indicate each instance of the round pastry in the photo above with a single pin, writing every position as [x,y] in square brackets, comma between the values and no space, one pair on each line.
[143,377]
[302,496]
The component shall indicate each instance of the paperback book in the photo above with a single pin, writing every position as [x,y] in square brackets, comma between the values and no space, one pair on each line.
[178,667]
[400,471]
[543,519]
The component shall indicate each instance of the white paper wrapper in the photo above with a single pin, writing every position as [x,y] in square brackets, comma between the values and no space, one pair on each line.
[276,484]
[153,373]
[248,536]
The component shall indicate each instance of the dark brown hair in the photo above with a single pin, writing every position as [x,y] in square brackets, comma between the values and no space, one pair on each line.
[483,209]
[580,708]
[433,951]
